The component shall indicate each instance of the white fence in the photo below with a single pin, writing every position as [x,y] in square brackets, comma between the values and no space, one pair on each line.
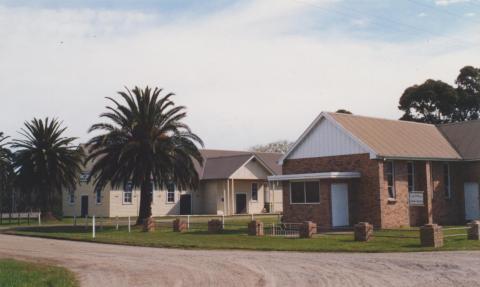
[283,229]
[19,217]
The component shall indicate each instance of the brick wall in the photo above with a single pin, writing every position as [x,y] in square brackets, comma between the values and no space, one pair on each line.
[395,213]
[364,201]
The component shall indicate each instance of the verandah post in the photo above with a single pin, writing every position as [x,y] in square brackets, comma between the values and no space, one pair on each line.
[93,227]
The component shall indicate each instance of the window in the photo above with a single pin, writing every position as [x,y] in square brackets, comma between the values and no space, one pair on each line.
[390,176]
[98,195]
[254,191]
[411,176]
[170,193]
[71,196]
[446,180]
[127,193]
[305,192]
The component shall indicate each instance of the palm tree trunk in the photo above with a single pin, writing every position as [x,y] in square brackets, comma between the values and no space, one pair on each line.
[146,197]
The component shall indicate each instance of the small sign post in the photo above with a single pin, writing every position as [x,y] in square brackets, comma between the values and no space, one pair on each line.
[416,198]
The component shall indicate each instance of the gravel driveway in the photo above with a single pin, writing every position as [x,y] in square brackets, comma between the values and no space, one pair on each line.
[113,265]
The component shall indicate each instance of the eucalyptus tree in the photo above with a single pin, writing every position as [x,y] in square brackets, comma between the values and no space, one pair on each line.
[46,162]
[144,142]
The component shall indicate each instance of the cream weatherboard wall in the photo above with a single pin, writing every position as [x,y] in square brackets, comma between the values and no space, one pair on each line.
[215,196]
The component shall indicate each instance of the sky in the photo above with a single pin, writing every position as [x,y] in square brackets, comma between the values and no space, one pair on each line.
[249,72]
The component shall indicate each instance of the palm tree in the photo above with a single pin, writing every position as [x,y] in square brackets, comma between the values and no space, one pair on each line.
[6,171]
[144,142]
[46,162]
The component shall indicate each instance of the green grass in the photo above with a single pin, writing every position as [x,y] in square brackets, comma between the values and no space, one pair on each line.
[235,237]
[22,274]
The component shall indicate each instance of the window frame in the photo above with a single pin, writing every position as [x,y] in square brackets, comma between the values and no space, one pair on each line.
[392,196]
[256,191]
[98,195]
[304,192]
[71,197]
[447,181]
[125,191]
[412,174]
[170,192]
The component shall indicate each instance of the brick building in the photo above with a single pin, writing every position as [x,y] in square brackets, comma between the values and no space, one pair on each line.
[346,169]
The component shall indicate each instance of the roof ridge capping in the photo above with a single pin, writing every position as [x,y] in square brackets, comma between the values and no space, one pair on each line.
[379,118]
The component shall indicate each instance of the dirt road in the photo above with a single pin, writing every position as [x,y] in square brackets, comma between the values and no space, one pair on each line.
[111,265]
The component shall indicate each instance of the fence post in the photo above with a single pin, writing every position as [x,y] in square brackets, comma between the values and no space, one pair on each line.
[252,216]
[39,218]
[223,221]
[188,222]
[93,227]
[28,218]
[129,223]
[116,220]
[74,220]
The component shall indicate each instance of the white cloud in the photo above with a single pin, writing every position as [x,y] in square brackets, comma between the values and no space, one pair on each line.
[449,2]
[422,14]
[471,14]
[243,75]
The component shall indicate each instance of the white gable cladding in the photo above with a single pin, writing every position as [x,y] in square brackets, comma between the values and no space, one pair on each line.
[326,139]
[252,170]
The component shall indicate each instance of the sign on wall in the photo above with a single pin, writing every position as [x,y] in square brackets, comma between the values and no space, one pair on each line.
[84,176]
[416,198]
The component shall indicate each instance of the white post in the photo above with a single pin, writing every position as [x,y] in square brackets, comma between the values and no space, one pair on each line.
[93,227]
[188,222]
[39,218]
[252,216]
[223,221]
[74,220]
[129,228]
[116,219]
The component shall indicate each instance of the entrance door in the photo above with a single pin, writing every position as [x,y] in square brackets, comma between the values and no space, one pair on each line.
[84,206]
[240,203]
[339,193]
[472,209]
[185,204]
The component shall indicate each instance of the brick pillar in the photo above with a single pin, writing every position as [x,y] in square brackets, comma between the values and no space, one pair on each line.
[428,191]
[474,231]
[149,224]
[215,226]
[363,231]
[179,225]
[308,229]
[255,228]
[431,235]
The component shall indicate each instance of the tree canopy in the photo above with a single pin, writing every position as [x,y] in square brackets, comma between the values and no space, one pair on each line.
[343,111]
[281,146]
[438,102]
[145,141]
[46,162]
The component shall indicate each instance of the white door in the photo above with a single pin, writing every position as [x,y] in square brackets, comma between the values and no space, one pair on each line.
[472,208]
[339,204]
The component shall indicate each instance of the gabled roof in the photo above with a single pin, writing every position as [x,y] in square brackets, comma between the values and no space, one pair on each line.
[398,139]
[221,164]
[464,137]
[385,138]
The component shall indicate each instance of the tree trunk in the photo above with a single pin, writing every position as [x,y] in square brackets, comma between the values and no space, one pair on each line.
[146,197]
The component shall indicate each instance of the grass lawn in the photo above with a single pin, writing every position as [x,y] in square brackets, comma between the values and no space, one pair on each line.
[22,274]
[235,237]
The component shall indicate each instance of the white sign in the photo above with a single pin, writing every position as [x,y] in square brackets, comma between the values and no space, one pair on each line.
[84,176]
[416,198]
